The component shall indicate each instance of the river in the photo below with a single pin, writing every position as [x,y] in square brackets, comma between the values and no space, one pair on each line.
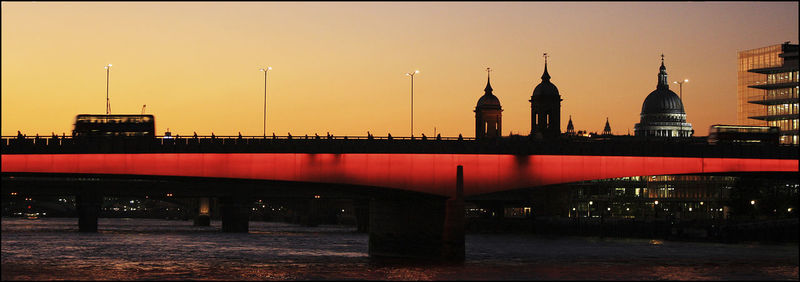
[151,249]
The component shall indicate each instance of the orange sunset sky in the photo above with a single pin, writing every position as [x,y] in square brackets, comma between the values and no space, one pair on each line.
[339,67]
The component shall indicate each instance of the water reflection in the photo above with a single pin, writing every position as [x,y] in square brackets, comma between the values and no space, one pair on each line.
[127,249]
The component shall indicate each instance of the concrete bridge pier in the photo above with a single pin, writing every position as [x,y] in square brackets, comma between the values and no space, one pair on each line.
[419,227]
[235,212]
[88,207]
[361,210]
[203,217]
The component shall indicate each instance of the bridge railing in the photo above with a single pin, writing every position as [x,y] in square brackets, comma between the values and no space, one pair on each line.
[516,145]
[48,140]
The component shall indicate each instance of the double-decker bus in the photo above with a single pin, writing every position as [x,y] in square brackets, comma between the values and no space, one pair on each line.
[131,126]
[720,133]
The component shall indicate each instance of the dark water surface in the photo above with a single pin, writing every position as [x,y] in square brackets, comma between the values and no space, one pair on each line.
[148,249]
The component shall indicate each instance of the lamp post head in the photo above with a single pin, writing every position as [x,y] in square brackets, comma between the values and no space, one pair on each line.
[260,69]
[416,71]
[269,68]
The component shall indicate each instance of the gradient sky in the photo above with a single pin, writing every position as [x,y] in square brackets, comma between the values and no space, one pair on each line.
[339,67]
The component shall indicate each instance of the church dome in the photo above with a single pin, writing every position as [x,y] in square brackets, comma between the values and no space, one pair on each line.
[488,100]
[662,101]
[545,88]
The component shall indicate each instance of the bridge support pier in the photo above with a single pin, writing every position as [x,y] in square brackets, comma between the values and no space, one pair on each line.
[361,207]
[235,212]
[420,227]
[88,207]
[203,217]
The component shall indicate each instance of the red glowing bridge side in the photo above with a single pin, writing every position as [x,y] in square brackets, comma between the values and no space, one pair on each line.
[426,173]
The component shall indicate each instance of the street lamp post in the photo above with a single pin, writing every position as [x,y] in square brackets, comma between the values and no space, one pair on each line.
[680,95]
[265,99]
[411,74]
[681,87]
[108,104]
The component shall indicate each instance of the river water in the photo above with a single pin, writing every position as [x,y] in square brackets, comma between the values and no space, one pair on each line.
[150,249]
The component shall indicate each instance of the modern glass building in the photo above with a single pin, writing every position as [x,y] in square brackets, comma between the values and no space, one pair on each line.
[768,89]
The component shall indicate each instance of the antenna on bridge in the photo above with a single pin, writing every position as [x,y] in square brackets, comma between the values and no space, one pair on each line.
[143,106]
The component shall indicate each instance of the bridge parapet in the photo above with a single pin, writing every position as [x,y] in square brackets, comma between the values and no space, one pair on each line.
[516,145]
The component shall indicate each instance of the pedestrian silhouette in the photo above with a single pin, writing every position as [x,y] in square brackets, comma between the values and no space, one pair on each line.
[195,135]
[424,137]
[19,135]
[240,135]
[389,136]
[439,136]
[459,137]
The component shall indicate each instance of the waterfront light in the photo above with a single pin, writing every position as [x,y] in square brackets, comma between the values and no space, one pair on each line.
[108,104]
[656,202]
[265,99]
[753,202]
[411,74]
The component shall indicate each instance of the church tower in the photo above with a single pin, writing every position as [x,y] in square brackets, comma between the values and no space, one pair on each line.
[545,108]
[570,127]
[488,113]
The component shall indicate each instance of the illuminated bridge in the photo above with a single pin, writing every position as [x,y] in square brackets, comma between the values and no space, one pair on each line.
[386,170]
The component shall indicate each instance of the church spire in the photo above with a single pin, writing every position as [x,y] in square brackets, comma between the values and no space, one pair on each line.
[607,129]
[488,88]
[545,75]
[662,75]
[570,127]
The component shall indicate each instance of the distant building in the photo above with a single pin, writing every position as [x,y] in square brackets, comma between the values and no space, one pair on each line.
[607,128]
[662,112]
[570,127]
[767,89]
[545,108]
[488,114]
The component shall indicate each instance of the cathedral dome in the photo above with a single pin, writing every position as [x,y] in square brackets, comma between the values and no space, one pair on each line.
[662,101]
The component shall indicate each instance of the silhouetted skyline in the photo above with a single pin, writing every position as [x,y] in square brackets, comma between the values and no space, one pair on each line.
[339,67]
